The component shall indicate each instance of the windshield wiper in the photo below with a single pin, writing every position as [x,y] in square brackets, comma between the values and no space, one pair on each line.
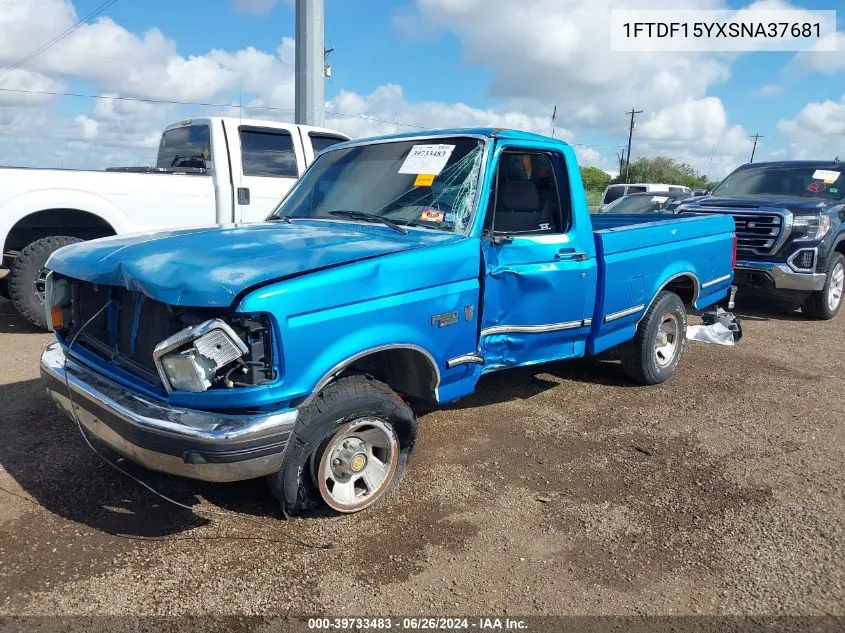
[370,217]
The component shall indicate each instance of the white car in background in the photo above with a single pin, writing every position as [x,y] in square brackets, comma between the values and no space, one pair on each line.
[214,170]
[614,192]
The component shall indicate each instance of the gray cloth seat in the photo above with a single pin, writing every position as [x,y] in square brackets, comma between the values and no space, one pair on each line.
[520,209]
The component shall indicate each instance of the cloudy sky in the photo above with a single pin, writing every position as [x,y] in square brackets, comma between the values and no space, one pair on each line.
[401,64]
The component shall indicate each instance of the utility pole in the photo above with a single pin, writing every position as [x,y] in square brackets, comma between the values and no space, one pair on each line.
[310,64]
[756,138]
[630,136]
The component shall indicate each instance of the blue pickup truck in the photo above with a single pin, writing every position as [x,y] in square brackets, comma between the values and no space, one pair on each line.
[398,269]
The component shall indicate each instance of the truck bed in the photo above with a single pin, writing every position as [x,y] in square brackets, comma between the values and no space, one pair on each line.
[638,254]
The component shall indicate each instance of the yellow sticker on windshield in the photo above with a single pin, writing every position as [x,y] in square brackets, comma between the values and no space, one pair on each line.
[424,180]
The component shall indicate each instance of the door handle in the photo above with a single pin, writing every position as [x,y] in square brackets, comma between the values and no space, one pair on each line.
[571,253]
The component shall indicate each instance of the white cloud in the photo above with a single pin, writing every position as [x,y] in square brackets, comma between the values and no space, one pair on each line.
[539,54]
[768,91]
[816,132]
[822,61]
[29,84]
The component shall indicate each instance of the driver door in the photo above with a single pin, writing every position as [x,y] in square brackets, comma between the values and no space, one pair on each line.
[540,265]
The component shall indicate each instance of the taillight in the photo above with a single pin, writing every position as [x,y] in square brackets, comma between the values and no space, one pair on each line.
[733,256]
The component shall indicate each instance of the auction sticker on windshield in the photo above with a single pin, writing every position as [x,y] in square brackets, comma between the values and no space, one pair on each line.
[827,175]
[426,159]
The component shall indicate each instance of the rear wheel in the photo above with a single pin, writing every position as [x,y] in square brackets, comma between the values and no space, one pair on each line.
[27,275]
[825,303]
[656,349]
[349,450]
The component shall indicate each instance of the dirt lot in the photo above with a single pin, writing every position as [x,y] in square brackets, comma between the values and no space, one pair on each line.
[554,490]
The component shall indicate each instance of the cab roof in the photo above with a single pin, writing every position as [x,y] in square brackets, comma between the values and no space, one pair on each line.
[487,132]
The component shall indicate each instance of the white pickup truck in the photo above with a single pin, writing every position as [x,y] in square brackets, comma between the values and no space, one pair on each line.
[212,170]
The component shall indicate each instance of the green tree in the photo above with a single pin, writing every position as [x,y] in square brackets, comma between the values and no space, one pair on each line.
[664,169]
[594,178]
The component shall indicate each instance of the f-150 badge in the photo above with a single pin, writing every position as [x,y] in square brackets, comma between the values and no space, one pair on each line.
[447,318]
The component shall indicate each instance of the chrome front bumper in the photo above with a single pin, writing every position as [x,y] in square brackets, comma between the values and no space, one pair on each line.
[198,444]
[783,277]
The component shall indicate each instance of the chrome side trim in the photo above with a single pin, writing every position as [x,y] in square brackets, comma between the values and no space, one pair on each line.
[713,282]
[339,367]
[623,313]
[187,335]
[531,329]
[588,322]
[474,359]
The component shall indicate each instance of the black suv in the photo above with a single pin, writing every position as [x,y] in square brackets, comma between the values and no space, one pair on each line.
[790,228]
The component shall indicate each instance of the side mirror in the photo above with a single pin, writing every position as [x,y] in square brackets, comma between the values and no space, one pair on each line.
[500,239]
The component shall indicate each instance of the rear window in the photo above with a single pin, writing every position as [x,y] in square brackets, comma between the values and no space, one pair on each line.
[613,193]
[267,152]
[188,146]
[321,141]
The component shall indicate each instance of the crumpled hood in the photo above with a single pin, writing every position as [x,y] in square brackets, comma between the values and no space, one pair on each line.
[210,266]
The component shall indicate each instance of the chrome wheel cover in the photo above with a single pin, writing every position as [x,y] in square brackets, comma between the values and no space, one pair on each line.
[835,287]
[667,341]
[358,464]
[40,284]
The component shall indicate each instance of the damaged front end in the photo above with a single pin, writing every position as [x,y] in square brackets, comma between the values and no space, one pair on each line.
[170,348]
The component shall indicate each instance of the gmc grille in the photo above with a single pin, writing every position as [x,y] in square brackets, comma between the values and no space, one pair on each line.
[756,233]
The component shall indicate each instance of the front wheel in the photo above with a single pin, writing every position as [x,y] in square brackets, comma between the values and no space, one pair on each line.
[349,450]
[825,303]
[656,349]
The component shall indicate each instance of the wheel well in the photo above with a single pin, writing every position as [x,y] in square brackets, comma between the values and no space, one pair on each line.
[51,222]
[685,286]
[406,370]
[840,248]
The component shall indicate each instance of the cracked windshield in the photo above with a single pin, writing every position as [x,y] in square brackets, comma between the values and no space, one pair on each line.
[428,183]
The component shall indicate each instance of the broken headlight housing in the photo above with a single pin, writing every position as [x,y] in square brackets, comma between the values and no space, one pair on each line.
[191,359]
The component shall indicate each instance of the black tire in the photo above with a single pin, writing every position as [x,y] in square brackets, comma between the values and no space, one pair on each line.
[639,359]
[24,272]
[341,402]
[817,306]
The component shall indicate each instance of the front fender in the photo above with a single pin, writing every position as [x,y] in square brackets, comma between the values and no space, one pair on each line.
[326,318]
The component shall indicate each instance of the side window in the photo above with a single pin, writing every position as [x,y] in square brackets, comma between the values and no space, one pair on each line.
[527,197]
[614,192]
[636,189]
[319,142]
[675,188]
[267,152]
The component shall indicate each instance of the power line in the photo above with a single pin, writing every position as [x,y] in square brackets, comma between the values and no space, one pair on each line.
[202,104]
[630,136]
[141,99]
[102,7]
[756,138]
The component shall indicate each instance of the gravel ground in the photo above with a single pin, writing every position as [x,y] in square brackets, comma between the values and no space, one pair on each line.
[559,489]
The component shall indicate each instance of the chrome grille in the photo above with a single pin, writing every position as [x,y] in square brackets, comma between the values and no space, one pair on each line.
[757,233]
